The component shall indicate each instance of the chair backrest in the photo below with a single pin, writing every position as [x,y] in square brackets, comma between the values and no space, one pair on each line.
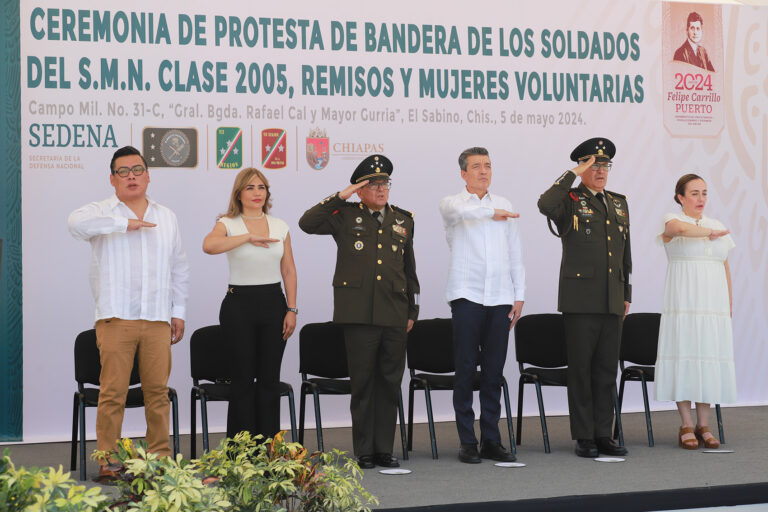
[88,363]
[639,338]
[208,354]
[540,340]
[430,346]
[322,352]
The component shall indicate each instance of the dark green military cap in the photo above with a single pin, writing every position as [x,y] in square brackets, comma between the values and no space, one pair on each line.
[374,167]
[599,147]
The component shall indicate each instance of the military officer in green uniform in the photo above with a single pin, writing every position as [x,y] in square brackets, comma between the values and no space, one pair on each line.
[375,297]
[595,289]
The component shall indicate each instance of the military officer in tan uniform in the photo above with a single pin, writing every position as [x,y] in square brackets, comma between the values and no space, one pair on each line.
[595,289]
[375,295]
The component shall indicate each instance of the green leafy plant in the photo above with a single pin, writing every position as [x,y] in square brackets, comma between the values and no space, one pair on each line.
[244,474]
[45,490]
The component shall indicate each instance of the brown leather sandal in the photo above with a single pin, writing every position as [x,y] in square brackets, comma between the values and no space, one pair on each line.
[688,444]
[712,443]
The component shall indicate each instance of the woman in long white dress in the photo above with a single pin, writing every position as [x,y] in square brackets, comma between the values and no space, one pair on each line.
[695,351]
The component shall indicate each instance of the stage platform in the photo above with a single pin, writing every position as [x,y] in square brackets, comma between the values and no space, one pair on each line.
[659,478]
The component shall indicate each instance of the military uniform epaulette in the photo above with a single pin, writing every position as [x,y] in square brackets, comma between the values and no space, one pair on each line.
[398,209]
[616,194]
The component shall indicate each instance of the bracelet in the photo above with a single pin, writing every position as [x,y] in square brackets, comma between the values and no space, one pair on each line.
[293,310]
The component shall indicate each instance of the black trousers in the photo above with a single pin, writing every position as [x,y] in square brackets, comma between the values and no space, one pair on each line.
[480,336]
[592,342]
[251,318]
[376,360]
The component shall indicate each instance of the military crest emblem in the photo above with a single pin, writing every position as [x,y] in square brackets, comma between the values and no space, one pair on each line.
[273,148]
[229,147]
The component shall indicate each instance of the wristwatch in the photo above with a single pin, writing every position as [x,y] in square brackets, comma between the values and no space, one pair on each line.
[294,310]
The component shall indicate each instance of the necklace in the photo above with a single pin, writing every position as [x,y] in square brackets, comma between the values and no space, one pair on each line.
[257,217]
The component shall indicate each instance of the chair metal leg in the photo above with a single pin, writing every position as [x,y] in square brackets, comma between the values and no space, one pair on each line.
[318,421]
[720,423]
[81,407]
[175,416]
[302,410]
[621,403]
[193,425]
[647,410]
[73,458]
[401,411]
[511,431]
[520,410]
[204,420]
[618,415]
[292,410]
[542,416]
[410,416]
[430,420]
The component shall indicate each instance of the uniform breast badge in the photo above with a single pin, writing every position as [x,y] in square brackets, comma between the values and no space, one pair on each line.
[359,245]
[400,230]
[359,220]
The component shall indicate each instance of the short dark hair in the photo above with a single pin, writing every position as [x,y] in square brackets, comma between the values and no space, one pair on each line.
[693,17]
[477,150]
[682,183]
[125,151]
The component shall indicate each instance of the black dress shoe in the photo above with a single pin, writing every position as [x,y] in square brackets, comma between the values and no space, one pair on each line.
[608,446]
[586,448]
[468,454]
[365,462]
[385,460]
[495,451]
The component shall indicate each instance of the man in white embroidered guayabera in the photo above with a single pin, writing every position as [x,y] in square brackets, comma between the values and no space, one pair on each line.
[486,290]
[139,277]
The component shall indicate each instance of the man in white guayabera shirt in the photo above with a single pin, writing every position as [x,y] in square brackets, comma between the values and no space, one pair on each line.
[139,277]
[486,290]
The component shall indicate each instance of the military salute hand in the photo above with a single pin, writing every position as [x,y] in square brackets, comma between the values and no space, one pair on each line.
[583,166]
[504,215]
[347,192]
[134,224]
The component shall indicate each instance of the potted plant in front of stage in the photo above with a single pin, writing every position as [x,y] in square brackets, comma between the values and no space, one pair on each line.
[45,489]
[160,484]
[276,475]
[245,473]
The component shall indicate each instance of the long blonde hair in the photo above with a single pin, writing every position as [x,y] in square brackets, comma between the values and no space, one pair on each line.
[241,181]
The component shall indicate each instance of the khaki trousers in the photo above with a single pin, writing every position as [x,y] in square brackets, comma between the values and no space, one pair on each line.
[119,341]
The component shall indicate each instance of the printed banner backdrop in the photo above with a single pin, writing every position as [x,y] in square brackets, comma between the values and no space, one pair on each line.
[305,90]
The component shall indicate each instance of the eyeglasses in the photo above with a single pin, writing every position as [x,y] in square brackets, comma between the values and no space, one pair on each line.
[606,166]
[123,172]
[380,185]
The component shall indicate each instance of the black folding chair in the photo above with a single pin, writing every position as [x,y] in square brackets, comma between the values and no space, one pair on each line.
[87,371]
[430,350]
[323,355]
[639,342]
[540,343]
[211,382]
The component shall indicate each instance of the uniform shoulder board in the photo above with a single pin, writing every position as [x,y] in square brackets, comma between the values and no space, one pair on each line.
[405,212]
[616,194]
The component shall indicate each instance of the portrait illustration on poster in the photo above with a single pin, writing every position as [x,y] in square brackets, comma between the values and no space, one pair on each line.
[692,54]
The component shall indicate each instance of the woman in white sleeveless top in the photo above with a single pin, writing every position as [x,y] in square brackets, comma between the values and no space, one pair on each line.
[255,316]
[695,353]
